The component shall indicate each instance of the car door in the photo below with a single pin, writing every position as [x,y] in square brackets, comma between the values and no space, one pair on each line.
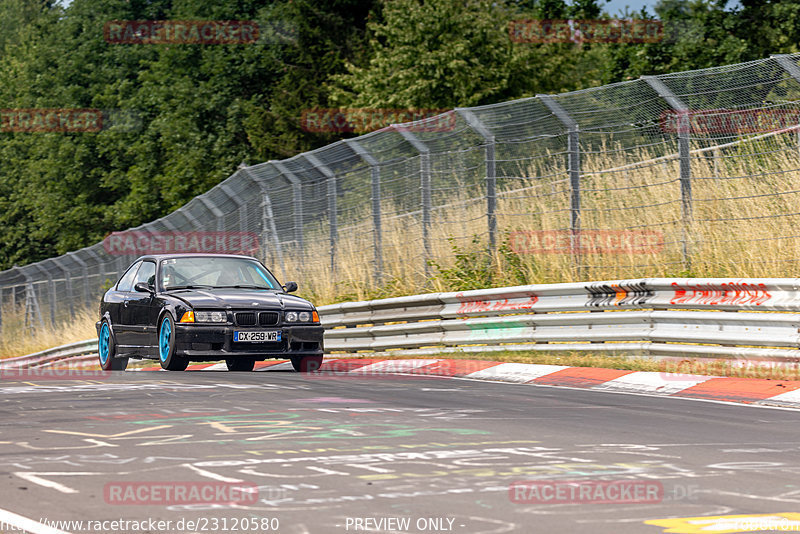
[140,307]
[122,328]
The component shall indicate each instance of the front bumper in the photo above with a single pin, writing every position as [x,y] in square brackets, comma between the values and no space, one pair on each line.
[215,342]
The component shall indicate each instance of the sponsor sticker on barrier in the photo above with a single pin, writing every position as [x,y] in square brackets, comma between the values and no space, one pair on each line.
[477,305]
[586,242]
[738,293]
[136,242]
[602,295]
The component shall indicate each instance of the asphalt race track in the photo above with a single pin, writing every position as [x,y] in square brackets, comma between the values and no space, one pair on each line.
[335,454]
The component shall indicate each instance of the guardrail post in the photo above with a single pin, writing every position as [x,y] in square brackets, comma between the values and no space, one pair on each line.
[297,197]
[491,174]
[375,175]
[330,177]
[574,170]
[425,186]
[684,157]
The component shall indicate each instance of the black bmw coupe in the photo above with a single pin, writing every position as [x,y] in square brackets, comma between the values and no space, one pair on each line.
[205,307]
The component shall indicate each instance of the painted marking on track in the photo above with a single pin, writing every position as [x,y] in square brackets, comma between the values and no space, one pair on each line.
[137,431]
[36,478]
[214,476]
[724,524]
[27,525]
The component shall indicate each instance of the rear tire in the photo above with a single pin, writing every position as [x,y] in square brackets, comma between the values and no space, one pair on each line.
[240,364]
[306,364]
[166,346]
[107,350]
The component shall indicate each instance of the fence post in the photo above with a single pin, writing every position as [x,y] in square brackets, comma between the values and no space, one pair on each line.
[574,170]
[491,174]
[267,218]
[215,211]
[297,197]
[330,177]
[425,185]
[85,271]
[68,281]
[794,71]
[375,175]
[685,163]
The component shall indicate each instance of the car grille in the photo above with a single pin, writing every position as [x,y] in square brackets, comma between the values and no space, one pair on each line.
[267,318]
[246,318]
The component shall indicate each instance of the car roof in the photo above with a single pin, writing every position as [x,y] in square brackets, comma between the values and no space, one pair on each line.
[160,257]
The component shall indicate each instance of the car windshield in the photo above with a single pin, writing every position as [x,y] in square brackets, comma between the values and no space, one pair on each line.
[215,272]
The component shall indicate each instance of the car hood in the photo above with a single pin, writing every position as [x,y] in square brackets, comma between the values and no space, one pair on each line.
[240,299]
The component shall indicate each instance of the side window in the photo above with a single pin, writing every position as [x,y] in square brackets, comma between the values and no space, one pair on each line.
[146,274]
[126,282]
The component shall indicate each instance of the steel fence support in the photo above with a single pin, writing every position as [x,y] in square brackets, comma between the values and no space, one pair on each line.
[297,197]
[51,291]
[330,178]
[267,219]
[791,67]
[425,186]
[215,211]
[85,271]
[684,158]
[491,174]
[377,224]
[574,170]
[68,281]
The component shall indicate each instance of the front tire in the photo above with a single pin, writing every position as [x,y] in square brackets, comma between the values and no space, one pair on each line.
[166,346]
[107,350]
[306,364]
[240,364]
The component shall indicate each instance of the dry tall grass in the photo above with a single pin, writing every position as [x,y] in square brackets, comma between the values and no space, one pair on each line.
[16,340]
[744,213]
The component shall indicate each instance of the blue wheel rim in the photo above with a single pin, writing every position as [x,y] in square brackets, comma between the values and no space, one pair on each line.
[105,337]
[163,339]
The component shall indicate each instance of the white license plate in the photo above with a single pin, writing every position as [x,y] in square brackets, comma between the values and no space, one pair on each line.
[258,337]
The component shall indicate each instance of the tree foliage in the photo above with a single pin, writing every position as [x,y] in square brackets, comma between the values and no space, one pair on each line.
[198,111]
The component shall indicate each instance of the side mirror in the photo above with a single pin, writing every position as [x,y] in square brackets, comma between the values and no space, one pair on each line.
[142,287]
[290,286]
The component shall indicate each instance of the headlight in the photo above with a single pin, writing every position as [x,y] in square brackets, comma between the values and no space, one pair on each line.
[210,317]
[304,317]
[291,317]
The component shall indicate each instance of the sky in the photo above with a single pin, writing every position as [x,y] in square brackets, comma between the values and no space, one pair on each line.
[615,7]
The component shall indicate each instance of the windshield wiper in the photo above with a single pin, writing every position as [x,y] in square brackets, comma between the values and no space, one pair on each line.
[246,286]
[170,288]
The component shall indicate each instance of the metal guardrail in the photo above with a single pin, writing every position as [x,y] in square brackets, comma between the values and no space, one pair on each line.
[72,352]
[655,317]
